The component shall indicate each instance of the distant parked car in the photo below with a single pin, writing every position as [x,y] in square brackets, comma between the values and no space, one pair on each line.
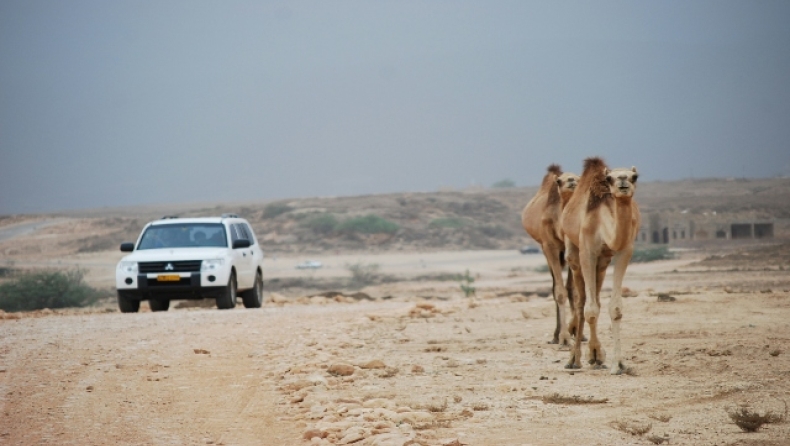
[191,258]
[309,264]
[529,249]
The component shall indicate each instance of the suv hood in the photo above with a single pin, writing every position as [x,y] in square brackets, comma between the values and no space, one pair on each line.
[175,254]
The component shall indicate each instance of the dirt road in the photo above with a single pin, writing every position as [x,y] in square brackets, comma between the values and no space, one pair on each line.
[405,371]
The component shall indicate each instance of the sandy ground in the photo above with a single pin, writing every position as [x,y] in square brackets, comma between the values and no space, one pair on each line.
[444,370]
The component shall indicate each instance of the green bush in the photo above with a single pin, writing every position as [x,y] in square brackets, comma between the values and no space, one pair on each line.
[369,224]
[495,231]
[363,274]
[47,289]
[642,255]
[504,183]
[466,285]
[275,209]
[542,268]
[322,224]
[447,222]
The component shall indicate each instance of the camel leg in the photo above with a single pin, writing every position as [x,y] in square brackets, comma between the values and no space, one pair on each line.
[598,354]
[572,298]
[561,334]
[572,255]
[592,307]
[616,306]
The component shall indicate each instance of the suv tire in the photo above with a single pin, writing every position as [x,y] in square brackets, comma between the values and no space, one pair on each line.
[127,305]
[227,299]
[253,298]
[159,304]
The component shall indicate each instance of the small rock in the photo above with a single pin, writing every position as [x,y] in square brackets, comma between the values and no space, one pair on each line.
[314,433]
[663,297]
[417,369]
[375,364]
[200,351]
[89,388]
[353,435]
[277,298]
[775,352]
[341,370]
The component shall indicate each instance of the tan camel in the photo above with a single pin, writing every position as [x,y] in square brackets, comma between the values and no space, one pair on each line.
[541,220]
[600,221]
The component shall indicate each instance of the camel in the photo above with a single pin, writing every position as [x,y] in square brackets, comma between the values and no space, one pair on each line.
[600,221]
[541,220]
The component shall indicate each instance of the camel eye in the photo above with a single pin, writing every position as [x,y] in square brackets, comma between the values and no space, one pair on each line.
[633,179]
[609,179]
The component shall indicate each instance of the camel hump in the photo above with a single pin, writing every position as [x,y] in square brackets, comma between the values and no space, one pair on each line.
[555,169]
[593,163]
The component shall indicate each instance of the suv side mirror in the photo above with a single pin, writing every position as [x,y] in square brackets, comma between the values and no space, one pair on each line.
[241,243]
[127,247]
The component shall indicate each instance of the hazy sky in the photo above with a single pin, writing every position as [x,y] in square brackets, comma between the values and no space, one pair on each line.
[114,103]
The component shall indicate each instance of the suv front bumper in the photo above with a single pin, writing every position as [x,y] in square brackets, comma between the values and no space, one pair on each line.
[188,287]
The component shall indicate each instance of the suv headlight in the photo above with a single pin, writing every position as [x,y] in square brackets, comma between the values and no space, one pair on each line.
[128,267]
[212,265]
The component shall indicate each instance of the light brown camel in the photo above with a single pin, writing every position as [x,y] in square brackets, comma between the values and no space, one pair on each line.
[541,220]
[600,221]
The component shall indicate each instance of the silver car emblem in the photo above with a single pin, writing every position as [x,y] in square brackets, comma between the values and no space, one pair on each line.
[169,267]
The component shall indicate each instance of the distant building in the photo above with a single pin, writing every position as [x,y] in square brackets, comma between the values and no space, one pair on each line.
[675,227]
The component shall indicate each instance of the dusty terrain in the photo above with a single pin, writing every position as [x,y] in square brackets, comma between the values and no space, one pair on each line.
[408,359]
[425,366]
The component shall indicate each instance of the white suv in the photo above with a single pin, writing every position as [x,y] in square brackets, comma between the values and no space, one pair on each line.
[191,258]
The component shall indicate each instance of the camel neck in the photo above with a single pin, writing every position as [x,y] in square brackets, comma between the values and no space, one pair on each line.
[622,217]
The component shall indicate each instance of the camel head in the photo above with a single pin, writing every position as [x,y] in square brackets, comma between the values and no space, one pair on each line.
[622,182]
[567,182]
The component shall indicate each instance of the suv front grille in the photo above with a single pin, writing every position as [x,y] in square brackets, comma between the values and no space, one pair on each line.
[181,266]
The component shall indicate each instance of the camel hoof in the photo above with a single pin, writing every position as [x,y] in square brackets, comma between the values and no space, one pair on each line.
[572,366]
[554,341]
[619,370]
[599,366]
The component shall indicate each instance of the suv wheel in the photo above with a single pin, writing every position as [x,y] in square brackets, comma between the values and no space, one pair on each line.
[227,299]
[159,304]
[253,298]
[127,305]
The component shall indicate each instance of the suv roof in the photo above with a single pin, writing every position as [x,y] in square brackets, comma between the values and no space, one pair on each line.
[168,219]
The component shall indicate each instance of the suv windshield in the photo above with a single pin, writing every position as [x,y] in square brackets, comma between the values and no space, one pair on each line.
[184,235]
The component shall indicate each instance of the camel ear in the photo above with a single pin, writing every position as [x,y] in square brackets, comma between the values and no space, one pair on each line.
[636,174]
[609,178]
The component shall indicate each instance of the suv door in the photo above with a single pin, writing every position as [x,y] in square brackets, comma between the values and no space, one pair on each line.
[242,257]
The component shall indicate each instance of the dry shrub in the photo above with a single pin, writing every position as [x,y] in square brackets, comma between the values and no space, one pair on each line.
[437,406]
[664,418]
[750,420]
[630,371]
[480,406]
[655,439]
[632,427]
[556,398]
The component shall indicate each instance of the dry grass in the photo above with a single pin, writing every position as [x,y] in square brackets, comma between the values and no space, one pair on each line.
[632,427]
[655,439]
[437,406]
[751,420]
[480,406]
[664,418]
[556,398]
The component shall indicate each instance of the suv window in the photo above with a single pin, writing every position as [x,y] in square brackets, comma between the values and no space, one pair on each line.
[183,235]
[240,231]
[250,235]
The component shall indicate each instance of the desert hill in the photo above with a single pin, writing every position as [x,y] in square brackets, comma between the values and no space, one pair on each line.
[447,220]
